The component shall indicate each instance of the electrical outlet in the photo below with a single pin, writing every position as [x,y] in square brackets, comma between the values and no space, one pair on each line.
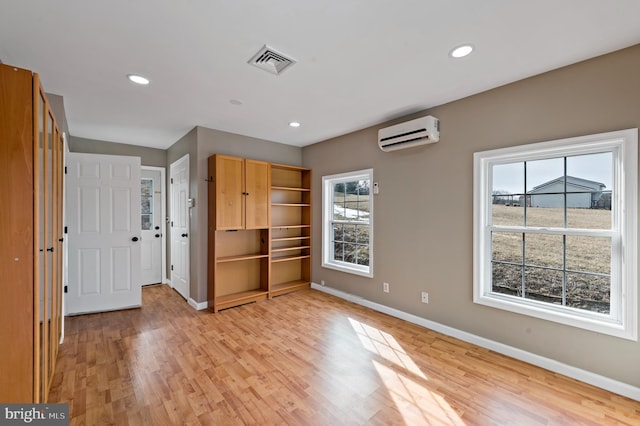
[425,297]
[385,287]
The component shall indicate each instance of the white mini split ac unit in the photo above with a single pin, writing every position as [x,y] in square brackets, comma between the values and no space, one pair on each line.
[411,133]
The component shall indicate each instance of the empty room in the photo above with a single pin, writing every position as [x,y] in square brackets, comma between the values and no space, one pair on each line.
[360,212]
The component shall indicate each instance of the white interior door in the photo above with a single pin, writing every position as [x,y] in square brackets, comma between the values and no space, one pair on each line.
[103,219]
[179,179]
[152,222]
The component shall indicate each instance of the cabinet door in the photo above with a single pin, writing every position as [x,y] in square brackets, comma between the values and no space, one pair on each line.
[229,183]
[257,194]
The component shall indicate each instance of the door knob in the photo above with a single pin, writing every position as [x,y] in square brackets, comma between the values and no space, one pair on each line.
[157,235]
[157,227]
[185,235]
[134,239]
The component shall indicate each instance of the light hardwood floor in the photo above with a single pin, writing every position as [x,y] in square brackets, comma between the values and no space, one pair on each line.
[303,358]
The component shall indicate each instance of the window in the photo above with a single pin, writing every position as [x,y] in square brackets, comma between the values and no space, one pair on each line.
[146,204]
[555,231]
[347,223]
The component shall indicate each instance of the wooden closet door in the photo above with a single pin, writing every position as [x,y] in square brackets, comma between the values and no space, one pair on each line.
[16,226]
[256,194]
[229,181]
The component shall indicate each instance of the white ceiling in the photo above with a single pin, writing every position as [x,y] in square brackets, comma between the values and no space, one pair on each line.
[359,62]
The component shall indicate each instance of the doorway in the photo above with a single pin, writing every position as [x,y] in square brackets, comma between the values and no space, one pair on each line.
[153,225]
[179,225]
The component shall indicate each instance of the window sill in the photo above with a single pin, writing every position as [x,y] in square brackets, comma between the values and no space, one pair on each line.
[345,267]
[599,323]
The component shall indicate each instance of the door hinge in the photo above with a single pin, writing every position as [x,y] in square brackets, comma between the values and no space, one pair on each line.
[172,224]
[66,289]
[66,229]
[172,267]
[65,170]
[171,180]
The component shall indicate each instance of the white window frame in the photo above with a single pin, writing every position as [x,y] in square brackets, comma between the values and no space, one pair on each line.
[327,214]
[622,321]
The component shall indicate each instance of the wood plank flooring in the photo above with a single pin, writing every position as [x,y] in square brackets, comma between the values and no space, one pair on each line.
[304,358]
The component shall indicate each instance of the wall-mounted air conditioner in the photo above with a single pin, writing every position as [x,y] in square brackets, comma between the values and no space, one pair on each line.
[411,133]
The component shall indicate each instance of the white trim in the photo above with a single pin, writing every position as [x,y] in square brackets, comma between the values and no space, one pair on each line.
[585,376]
[198,306]
[622,321]
[327,214]
[163,212]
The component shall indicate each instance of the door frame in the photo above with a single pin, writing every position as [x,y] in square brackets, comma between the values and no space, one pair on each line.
[186,158]
[165,218]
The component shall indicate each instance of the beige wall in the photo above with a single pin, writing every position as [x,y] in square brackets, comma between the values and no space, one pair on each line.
[148,156]
[423,231]
[57,106]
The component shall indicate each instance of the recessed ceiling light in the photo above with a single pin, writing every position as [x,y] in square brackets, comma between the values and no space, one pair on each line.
[138,79]
[461,51]
[294,124]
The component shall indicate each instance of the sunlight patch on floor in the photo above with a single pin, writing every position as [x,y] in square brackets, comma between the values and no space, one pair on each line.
[404,381]
[385,345]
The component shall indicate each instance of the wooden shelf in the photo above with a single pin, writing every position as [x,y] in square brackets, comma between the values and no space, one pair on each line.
[281,249]
[289,226]
[291,204]
[283,288]
[277,240]
[288,258]
[241,257]
[241,298]
[289,188]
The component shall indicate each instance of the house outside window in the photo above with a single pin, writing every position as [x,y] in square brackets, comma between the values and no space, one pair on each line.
[555,234]
[347,222]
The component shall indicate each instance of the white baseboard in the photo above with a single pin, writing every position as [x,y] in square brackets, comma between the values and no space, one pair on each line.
[585,376]
[166,281]
[198,306]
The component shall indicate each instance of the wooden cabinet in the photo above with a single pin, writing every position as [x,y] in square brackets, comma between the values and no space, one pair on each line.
[259,230]
[241,192]
[31,223]
[238,267]
[290,229]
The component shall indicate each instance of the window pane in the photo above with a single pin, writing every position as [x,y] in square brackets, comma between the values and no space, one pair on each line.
[595,218]
[338,232]
[353,211]
[537,215]
[338,250]
[588,292]
[362,232]
[506,247]
[511,213]
[507,194]
[545,192]
[146,204]
[544,285]
[508,178]
[544,176]
[146,222]
[543,250]
[506,279]
[363,255]
[589,254]
[349,233]
[349,253]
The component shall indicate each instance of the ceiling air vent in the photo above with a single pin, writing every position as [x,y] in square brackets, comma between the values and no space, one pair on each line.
[271,60]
